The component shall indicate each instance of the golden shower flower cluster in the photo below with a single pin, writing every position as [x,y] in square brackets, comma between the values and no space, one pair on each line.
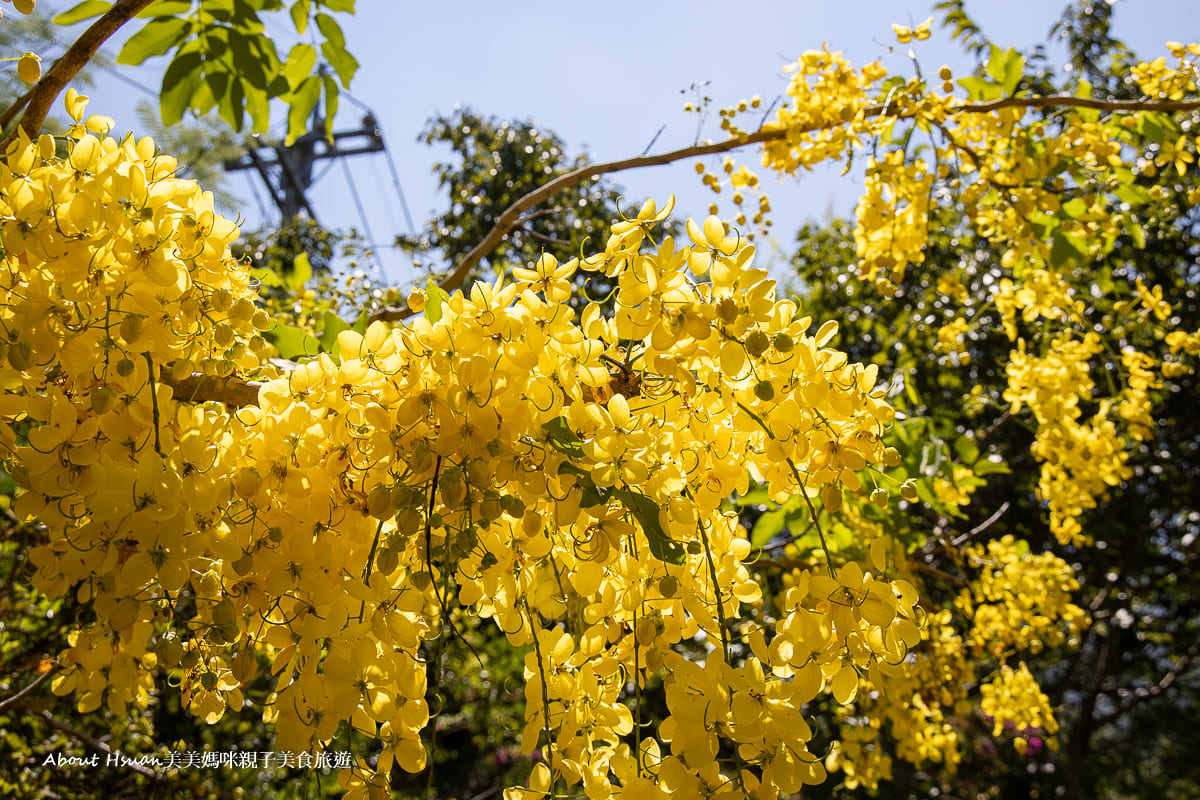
[560,475]
[1014,697]
[1020,601]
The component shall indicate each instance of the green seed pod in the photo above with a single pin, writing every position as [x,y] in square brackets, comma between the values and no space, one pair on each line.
[757,343]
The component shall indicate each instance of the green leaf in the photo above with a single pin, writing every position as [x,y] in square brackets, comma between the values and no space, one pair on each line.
[1062,250]
[1133,194]
[266,277]
[344,64]
[85,10]
[646,511]
[339,5]
[291,342]
[300,62]
[1150,127]
[593,495]
[981,89]
[1075,207]
[331,103]
[966,449]
[1136,232]
[562,438]
[156,38]
[250,60]
[179,83]
[331,31]
[166,8]
[299,11]
[333,325]
[301,272]
[300,106]
[435,296]
[774,521]
[992,465]
[1006,68]
[258,107]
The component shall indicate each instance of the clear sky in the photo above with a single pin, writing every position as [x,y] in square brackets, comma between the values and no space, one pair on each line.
[606,77]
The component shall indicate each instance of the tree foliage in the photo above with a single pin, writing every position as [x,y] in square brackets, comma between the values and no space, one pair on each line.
[496,163]
[967,545]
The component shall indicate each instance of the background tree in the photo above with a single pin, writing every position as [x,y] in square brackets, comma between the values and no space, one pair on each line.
[495,163]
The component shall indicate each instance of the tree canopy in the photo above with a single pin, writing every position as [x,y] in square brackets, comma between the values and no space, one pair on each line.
[926,526]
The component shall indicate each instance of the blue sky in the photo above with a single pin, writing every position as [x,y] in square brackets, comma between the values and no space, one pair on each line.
[606,77]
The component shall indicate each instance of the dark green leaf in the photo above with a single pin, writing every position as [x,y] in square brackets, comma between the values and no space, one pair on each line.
[232,104]
[250,61]
[85,10]
[1062,250]
[562,438]
[646,511]
[179,84]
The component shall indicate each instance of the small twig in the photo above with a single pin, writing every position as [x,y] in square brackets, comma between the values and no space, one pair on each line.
[32,687]
[983,526]
[654,139]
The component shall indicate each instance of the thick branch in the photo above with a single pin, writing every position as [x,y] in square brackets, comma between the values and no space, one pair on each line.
[1071,101]
[199,388]
[512,215]
[77,55]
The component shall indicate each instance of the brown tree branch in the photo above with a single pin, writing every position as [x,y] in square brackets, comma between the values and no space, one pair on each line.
[234,392]
[512,215]
[200,388]
[66,68]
